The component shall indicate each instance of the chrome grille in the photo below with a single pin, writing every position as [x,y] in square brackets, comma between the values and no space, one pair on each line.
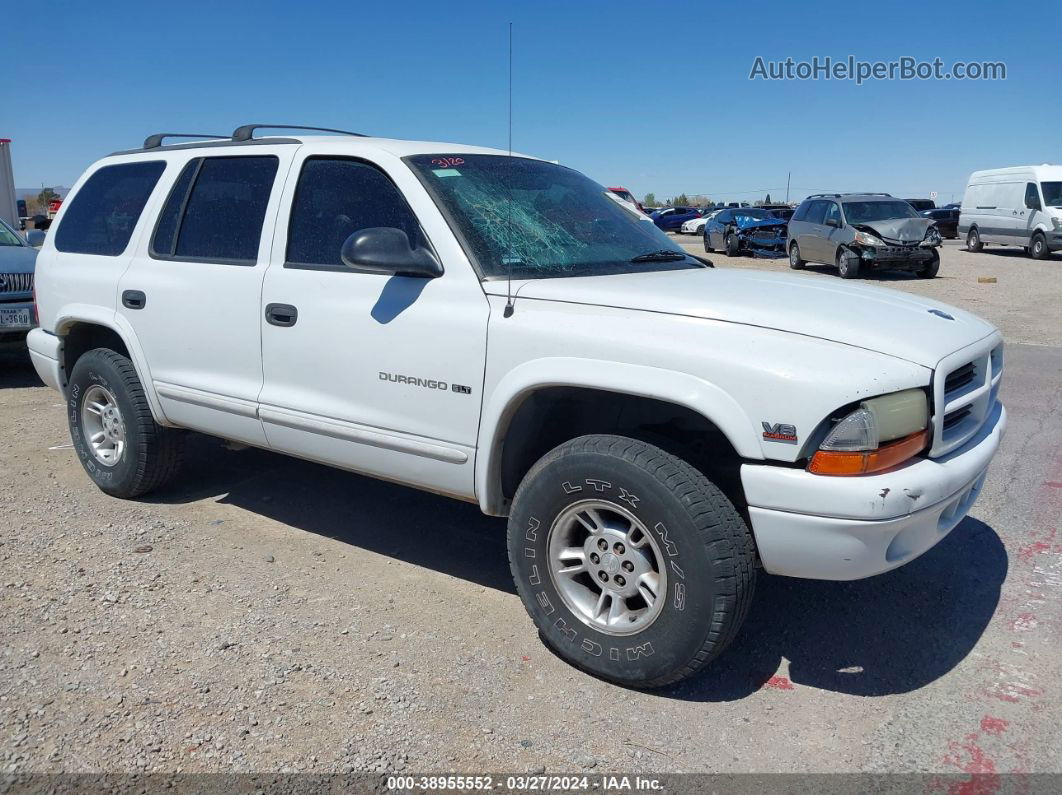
[16,282]
[965,392]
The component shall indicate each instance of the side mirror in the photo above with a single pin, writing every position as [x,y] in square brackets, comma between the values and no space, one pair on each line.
[35,237]
[833,222]
[1033,204]
[385,249]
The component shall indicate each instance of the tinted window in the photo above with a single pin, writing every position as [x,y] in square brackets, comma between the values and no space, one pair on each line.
[222,220]
[801,212]
[833,212]
[724,217]
[101,217]
[817,212]
[336,198]
[166,229]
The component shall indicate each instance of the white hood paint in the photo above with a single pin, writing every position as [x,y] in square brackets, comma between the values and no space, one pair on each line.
[882,320]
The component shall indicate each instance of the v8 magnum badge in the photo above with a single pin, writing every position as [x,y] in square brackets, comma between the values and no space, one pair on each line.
[779,432]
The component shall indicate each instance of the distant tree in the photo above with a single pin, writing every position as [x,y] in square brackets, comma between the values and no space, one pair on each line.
[46,195]
[768,199]
[649,200]
[681,200]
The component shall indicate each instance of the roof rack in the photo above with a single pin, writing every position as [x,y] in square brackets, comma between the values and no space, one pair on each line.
[246,132]
[155,141]
[850,193]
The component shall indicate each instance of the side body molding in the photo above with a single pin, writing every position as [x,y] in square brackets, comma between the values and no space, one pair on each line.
[632,379]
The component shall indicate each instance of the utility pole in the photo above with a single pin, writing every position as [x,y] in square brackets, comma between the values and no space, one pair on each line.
[787,178]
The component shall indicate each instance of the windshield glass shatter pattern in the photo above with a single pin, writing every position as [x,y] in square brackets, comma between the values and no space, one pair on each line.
[540,219]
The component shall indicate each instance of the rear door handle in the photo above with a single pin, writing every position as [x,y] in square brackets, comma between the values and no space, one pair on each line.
[283,315]
[134,299]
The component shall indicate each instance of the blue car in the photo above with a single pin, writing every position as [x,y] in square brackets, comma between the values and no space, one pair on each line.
[17,258]
[671,218]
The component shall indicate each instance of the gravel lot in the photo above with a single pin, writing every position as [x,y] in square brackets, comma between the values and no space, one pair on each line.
[266,614]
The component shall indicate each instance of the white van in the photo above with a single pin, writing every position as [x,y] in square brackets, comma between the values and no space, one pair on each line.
[1020,206]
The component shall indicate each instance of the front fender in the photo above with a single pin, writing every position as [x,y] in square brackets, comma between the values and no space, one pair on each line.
[633,379]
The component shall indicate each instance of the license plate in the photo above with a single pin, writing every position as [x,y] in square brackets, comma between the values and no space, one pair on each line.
[14,317]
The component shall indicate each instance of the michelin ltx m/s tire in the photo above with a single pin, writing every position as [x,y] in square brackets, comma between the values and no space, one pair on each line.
[632,564]
[121,447]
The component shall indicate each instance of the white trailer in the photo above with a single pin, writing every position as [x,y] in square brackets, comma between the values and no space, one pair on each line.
[8,207]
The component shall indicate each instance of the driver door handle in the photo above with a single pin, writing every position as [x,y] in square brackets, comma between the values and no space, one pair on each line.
[283,315]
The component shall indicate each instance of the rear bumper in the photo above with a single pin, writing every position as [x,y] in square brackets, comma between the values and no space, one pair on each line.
[829,528]
[44,353]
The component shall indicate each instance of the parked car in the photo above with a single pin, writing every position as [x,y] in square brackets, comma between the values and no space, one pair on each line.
[752,229]
[627,196]
[1019,206]
[655,430]
[922,204]
[672,218]
[947,221]
[695,226]
[859,232]
[17,258]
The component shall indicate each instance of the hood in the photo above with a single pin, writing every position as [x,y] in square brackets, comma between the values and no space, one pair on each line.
[906,230]
[17,259]
[877,319]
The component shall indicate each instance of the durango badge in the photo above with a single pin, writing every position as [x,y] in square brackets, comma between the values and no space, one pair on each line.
[779,432]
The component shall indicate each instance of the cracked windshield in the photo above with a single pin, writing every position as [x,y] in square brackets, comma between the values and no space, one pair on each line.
[543,220]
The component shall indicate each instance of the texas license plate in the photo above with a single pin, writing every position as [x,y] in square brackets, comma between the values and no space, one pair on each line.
[14,317]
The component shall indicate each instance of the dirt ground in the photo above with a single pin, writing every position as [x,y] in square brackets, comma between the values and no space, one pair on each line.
[267,614]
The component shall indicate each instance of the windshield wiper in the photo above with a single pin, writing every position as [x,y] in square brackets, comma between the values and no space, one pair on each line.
[662,255]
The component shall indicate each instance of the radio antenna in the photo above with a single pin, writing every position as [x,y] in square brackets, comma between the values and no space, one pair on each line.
[509,175]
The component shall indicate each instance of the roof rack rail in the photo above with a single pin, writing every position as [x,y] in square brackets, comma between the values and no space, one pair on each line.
[155,141]
[246,132]
[849,193]
[824,195]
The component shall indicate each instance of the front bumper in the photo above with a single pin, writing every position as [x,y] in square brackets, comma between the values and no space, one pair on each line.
[834,528]
[1054,241]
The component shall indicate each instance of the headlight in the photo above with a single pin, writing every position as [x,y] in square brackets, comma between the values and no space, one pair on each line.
[867,239]
[1057,222]
[881,433]
[932,236]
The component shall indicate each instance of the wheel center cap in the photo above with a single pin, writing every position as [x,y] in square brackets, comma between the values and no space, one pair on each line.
[610,563]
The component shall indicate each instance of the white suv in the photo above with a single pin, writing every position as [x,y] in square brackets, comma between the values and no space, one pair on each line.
[496,329]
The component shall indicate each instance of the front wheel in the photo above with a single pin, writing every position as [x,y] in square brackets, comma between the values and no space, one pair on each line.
[929,270]
[121,447]
[1038,247]
[731,244]
[632,564]
[973,241]
[847,263]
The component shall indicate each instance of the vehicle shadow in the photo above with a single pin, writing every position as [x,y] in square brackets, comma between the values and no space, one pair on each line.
[890,634]
[16,369]
[893,633]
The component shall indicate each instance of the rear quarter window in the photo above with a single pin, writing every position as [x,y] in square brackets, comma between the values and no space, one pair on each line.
[102,215]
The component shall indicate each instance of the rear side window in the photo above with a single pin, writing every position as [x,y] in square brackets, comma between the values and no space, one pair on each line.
[816,212]
[801,212]
[102,215]
[216,209]
[335,198]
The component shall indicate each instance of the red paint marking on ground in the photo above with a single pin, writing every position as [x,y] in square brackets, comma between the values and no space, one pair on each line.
[526,659]
[1044,544]
[1053,484]
[996,726]
[1024,622]
[778,683]
[1012,694]
[1016,644]
[969,757]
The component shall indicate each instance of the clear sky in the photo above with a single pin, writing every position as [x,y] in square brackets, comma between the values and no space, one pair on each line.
[654,95]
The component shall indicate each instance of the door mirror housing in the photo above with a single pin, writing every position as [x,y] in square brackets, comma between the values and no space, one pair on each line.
[1033,203]
[35,237]
[387,250]
[833,222]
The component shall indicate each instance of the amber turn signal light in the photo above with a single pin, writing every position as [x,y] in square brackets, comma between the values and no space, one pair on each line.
[867,461]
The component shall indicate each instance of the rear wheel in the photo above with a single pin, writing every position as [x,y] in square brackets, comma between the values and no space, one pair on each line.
[121,447]
[1038,246]
[795,262]
[973,240]
[632,564]
[708,243]
[847,263]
